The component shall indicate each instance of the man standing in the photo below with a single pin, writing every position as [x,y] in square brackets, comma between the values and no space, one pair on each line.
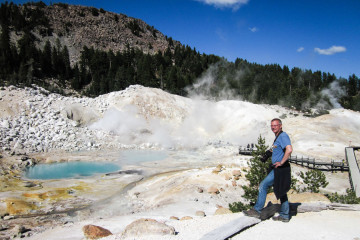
[279,176]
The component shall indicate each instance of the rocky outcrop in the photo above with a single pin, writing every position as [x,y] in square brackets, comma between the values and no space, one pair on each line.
[40,121]
[44,122]
[39,127]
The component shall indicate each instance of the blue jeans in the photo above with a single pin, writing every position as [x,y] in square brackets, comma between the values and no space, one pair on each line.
[264,186]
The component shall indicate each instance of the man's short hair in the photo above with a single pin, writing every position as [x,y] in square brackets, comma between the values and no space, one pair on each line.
[277,119]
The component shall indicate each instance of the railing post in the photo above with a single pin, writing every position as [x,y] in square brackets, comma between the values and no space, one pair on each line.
[313,163]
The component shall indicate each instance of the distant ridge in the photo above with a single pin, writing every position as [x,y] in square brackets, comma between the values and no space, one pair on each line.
[79,26]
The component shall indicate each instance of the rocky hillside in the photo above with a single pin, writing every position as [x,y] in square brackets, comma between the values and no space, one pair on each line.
[79,26]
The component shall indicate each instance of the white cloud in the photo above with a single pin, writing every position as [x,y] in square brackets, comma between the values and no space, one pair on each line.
[254,29]
[300,49]
[330,51]
[235,4]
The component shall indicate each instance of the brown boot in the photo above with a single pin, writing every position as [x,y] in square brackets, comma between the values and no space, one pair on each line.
[252,213]
[280,218]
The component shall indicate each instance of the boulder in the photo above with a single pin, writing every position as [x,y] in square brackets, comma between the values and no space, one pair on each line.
[200,213]
[222,210]
[186,218]
[147,226]
[82,115]
[213,190]
[95,232]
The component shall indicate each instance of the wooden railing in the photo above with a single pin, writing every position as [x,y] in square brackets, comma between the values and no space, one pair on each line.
[311,163]
[324,166]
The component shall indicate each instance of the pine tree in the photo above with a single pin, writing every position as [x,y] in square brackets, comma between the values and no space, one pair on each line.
[352,85]
[65,59]
[76,79]
[257,172]
[5,51]
[45,60]
[119,80]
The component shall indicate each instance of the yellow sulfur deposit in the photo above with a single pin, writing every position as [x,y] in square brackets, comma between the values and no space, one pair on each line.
[18,206]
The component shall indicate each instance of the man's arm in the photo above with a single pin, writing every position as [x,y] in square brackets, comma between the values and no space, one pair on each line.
[288,151]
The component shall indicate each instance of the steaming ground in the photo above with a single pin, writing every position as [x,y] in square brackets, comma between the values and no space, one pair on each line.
[33,120]
[198,134]
[153,116]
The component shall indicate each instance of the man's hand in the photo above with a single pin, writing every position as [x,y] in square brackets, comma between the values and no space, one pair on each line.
[277,164]
[288,151]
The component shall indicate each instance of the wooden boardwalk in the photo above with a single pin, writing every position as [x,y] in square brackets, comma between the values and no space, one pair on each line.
[323,166]
[354,169]
[308,162]
[245,150]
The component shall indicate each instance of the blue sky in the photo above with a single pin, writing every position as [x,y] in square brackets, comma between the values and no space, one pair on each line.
[318,35]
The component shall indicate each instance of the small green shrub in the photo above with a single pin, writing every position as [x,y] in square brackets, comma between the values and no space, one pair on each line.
[294,183]
[238,207]
[314,179]
[348,198]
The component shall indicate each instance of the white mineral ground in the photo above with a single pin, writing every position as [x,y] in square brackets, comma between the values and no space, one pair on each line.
[197,136]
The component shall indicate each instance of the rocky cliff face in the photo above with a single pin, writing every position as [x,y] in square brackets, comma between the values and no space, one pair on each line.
[79,26]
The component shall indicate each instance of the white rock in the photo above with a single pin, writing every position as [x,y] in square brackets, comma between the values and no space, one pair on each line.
[5,124]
